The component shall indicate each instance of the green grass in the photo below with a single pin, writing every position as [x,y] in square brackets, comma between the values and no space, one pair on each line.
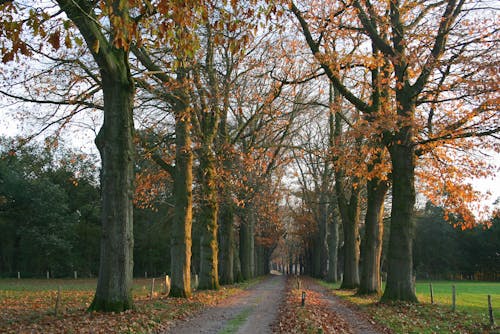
[141,287]
[234,324]
[28,284]
[27,305]
[470,296]
[471,315]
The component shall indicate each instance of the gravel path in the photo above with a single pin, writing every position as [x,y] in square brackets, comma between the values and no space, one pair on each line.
[252,311]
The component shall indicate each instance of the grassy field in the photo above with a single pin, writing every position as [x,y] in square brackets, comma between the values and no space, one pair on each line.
[471,296]
[142,286]
[471,315]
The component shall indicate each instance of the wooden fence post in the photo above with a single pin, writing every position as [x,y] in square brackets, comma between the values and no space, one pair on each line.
[432,293]
[453,298]
[152,288]
[490,312]
[167,285]
[58,301]
[18,275]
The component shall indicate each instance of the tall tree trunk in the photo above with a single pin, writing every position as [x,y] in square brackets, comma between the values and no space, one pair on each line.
[374,230]
[247,244]
[350,221]
[323,232]
[260,260]
[349,209]
[238,275]
[209,275]
[115,144]
[315,255]
[180,250]
[333,245]
[400,285]
[320,250]
[226,241]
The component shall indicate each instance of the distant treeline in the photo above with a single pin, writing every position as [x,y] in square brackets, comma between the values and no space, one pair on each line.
[49,221]
[50,217]
[442,251]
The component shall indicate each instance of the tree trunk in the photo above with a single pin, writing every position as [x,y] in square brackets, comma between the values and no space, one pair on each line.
[350,215]
[374,230]
[320,250]
[333,245]
[260,260]
[400,284]
[315,256]
[116,147]
[323,232]
[238,276]
[247,245]
[180,250]
[226,241]
[209,275]
[350,222]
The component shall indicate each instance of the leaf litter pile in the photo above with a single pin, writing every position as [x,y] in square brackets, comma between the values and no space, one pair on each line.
[28,311]
[314,317]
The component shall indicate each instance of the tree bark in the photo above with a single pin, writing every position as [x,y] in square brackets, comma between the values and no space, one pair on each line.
[400,284]
[226,242]
[261,260]
[116,148]
[247,244]
[333,245]
[209,275]
[350,214]
[320,247]
[238,276]
[315,256]
[115,144]
[370,282]
[180,250]
[350,221]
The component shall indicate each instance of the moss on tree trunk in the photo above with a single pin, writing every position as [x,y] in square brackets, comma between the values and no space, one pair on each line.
[180,250]
[370,282]
[400,285]
[209,275]
[226,242]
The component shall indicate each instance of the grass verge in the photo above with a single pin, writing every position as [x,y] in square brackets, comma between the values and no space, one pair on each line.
[27,306]
[234,324]
[426,318]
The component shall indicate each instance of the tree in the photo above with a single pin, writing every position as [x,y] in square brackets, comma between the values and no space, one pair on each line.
[429,64]
[114,141]
[49,209]
[115,144]
[350,213]
[410,84]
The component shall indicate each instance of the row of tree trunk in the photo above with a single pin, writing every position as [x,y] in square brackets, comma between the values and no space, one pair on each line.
[341,207]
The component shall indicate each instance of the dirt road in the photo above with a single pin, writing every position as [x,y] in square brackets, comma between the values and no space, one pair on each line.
[252,311]
[256,310]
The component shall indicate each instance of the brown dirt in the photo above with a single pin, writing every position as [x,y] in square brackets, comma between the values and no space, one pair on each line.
[252,311]
[273,306]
